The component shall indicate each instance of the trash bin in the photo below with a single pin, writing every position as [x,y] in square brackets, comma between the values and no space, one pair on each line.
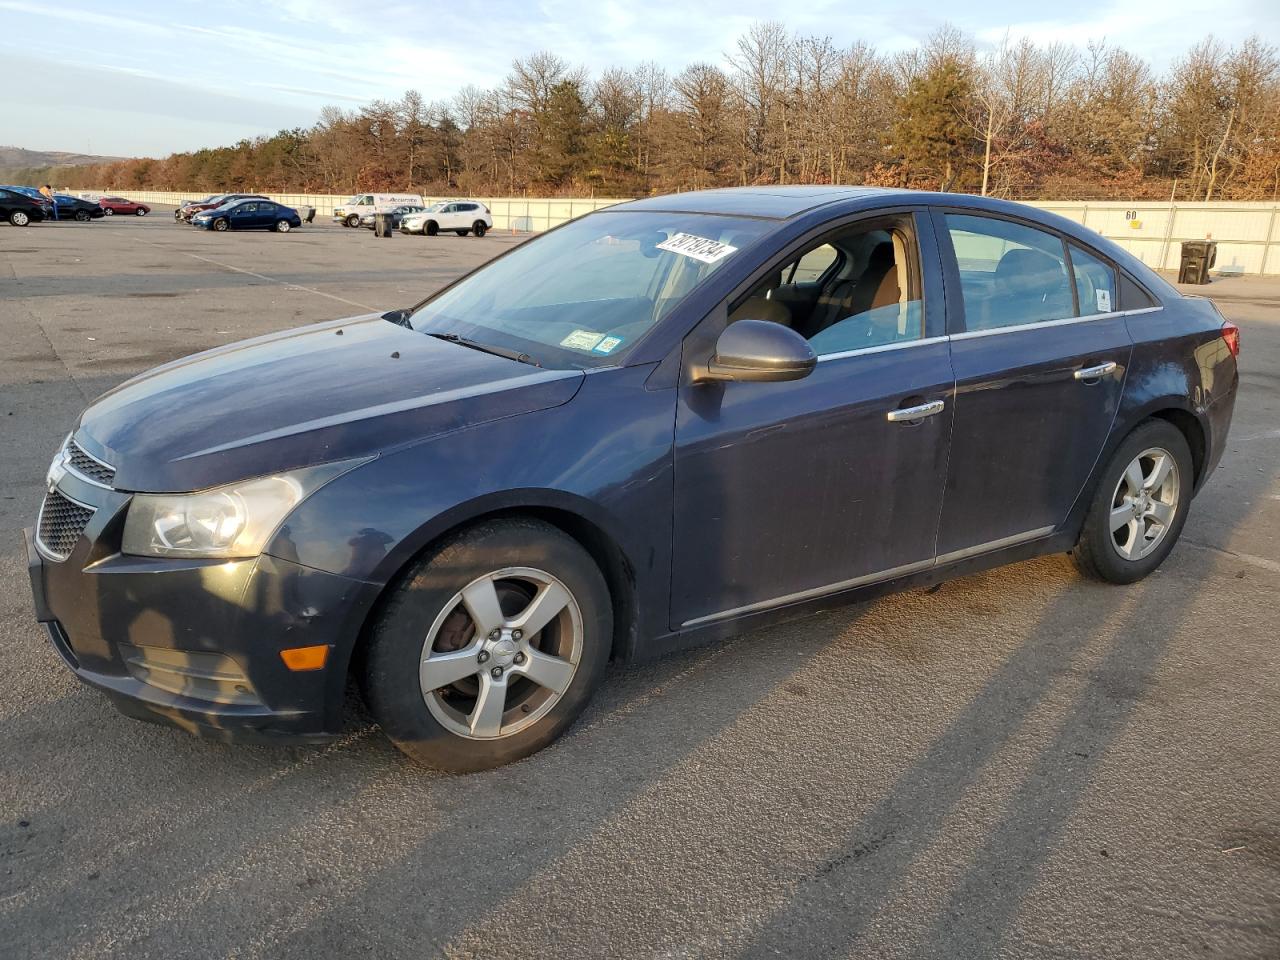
[1198,256]
[382,225]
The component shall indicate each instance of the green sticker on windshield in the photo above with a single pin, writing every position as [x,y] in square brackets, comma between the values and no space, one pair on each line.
[582,340]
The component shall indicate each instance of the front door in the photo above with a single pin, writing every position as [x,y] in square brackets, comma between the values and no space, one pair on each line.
[1040,357]
[789,491]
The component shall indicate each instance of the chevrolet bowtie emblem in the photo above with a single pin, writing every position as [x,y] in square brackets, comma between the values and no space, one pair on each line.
[57,470]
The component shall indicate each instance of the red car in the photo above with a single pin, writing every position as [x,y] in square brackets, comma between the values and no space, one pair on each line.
[112,205]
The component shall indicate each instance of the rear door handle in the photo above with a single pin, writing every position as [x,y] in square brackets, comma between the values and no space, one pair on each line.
[1093,373]
[918,412]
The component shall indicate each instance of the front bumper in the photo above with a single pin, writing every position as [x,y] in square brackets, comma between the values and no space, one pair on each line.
[196,643]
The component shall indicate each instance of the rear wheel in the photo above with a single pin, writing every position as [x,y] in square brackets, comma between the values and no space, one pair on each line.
[431,229]
[220,225]
[82,216]
[1139,507]
[479,228]
[490,647]
[19,218]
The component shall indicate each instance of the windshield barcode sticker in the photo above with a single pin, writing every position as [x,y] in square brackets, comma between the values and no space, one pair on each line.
[699,248]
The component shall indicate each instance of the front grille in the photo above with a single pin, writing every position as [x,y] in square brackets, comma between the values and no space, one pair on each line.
[62,520]
[85,465]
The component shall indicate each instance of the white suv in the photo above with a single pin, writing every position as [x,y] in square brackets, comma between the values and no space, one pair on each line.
[460,216]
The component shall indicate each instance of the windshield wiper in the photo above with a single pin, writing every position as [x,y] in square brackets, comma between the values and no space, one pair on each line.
[487,348]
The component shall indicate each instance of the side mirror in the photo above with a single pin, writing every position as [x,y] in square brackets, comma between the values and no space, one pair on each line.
[753,351]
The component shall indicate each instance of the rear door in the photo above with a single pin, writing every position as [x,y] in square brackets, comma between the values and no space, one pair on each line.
[1040,356]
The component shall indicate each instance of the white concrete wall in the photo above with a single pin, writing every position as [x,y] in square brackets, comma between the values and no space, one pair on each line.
[1248,234]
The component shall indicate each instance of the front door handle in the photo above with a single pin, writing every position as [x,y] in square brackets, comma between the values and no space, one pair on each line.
[1093,373]
[918,412]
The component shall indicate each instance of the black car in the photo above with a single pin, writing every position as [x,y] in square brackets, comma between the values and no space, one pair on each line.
[73,208]
[20,210]
[663,422]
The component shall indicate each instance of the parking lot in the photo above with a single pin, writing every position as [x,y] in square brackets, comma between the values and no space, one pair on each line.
[1015,764]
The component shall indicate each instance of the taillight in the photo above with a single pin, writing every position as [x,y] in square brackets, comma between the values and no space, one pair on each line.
[1231,334]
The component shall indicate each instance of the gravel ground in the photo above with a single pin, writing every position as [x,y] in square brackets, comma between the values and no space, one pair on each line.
[1018,764]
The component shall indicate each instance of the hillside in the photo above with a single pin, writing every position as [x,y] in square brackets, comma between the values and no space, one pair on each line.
[14,157]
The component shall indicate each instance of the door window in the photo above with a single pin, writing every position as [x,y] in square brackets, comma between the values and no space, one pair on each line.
[1010,274]
[245,209]
[1095,283]
[857,288]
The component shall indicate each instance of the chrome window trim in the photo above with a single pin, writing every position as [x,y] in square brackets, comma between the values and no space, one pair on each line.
[881,348]
[879,577]
[1042,324]
[44,550]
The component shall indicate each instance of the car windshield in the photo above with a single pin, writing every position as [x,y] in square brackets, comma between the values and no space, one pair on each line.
[583,295]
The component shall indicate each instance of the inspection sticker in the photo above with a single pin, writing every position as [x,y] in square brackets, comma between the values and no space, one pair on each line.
[699,248]
[1104,300]
[582,340]
[607,345]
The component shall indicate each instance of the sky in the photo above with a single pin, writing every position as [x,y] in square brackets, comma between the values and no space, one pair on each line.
[150,77]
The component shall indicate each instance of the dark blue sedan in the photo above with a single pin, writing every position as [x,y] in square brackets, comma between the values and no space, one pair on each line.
[668,421]
[249,215]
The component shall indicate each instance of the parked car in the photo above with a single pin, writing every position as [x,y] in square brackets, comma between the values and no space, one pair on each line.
[114,205]
[349,213]
[675,419]
[188,211]
[249,215]
[460,216]
[20,209]
[397,215]
[73,208]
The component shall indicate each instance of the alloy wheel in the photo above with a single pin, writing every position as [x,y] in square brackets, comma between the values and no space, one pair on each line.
[501,653]
[1144,503]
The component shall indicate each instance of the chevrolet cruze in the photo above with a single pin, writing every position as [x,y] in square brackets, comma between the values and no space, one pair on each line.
[664,422]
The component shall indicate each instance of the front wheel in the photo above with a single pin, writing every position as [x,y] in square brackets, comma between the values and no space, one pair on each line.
[19,218]
[353,220]
[479,228]
[141,211]
[431,229]
[1139,507]
[220,225]
[490,647]
[283,226]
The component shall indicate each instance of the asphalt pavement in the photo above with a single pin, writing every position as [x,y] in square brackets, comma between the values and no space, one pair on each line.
[1016,764]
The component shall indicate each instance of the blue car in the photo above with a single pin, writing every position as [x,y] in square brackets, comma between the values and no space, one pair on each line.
[664,422]
[249,215]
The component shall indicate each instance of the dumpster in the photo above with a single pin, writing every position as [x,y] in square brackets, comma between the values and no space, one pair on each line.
[382,225]
[1198,256]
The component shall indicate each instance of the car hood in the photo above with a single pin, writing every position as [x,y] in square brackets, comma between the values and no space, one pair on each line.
[333,391]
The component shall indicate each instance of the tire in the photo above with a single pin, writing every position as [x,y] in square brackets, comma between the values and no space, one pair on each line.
[141,212]
[353,220]
[1147,514]
[19,218]
[220,225]
[462,233]
[82,216]
[431,229]
[507,562]
[479,228]
[283,226]
[107,211]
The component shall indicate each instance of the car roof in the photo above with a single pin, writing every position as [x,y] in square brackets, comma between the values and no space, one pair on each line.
[772,203]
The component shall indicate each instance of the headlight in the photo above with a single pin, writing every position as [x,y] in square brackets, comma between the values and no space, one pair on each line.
[226,522]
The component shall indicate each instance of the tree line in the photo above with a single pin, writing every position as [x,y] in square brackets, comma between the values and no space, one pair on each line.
[1020,120]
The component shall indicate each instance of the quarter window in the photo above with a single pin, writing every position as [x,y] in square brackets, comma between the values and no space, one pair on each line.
[1010,274]
[814,264]
[1095,283]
